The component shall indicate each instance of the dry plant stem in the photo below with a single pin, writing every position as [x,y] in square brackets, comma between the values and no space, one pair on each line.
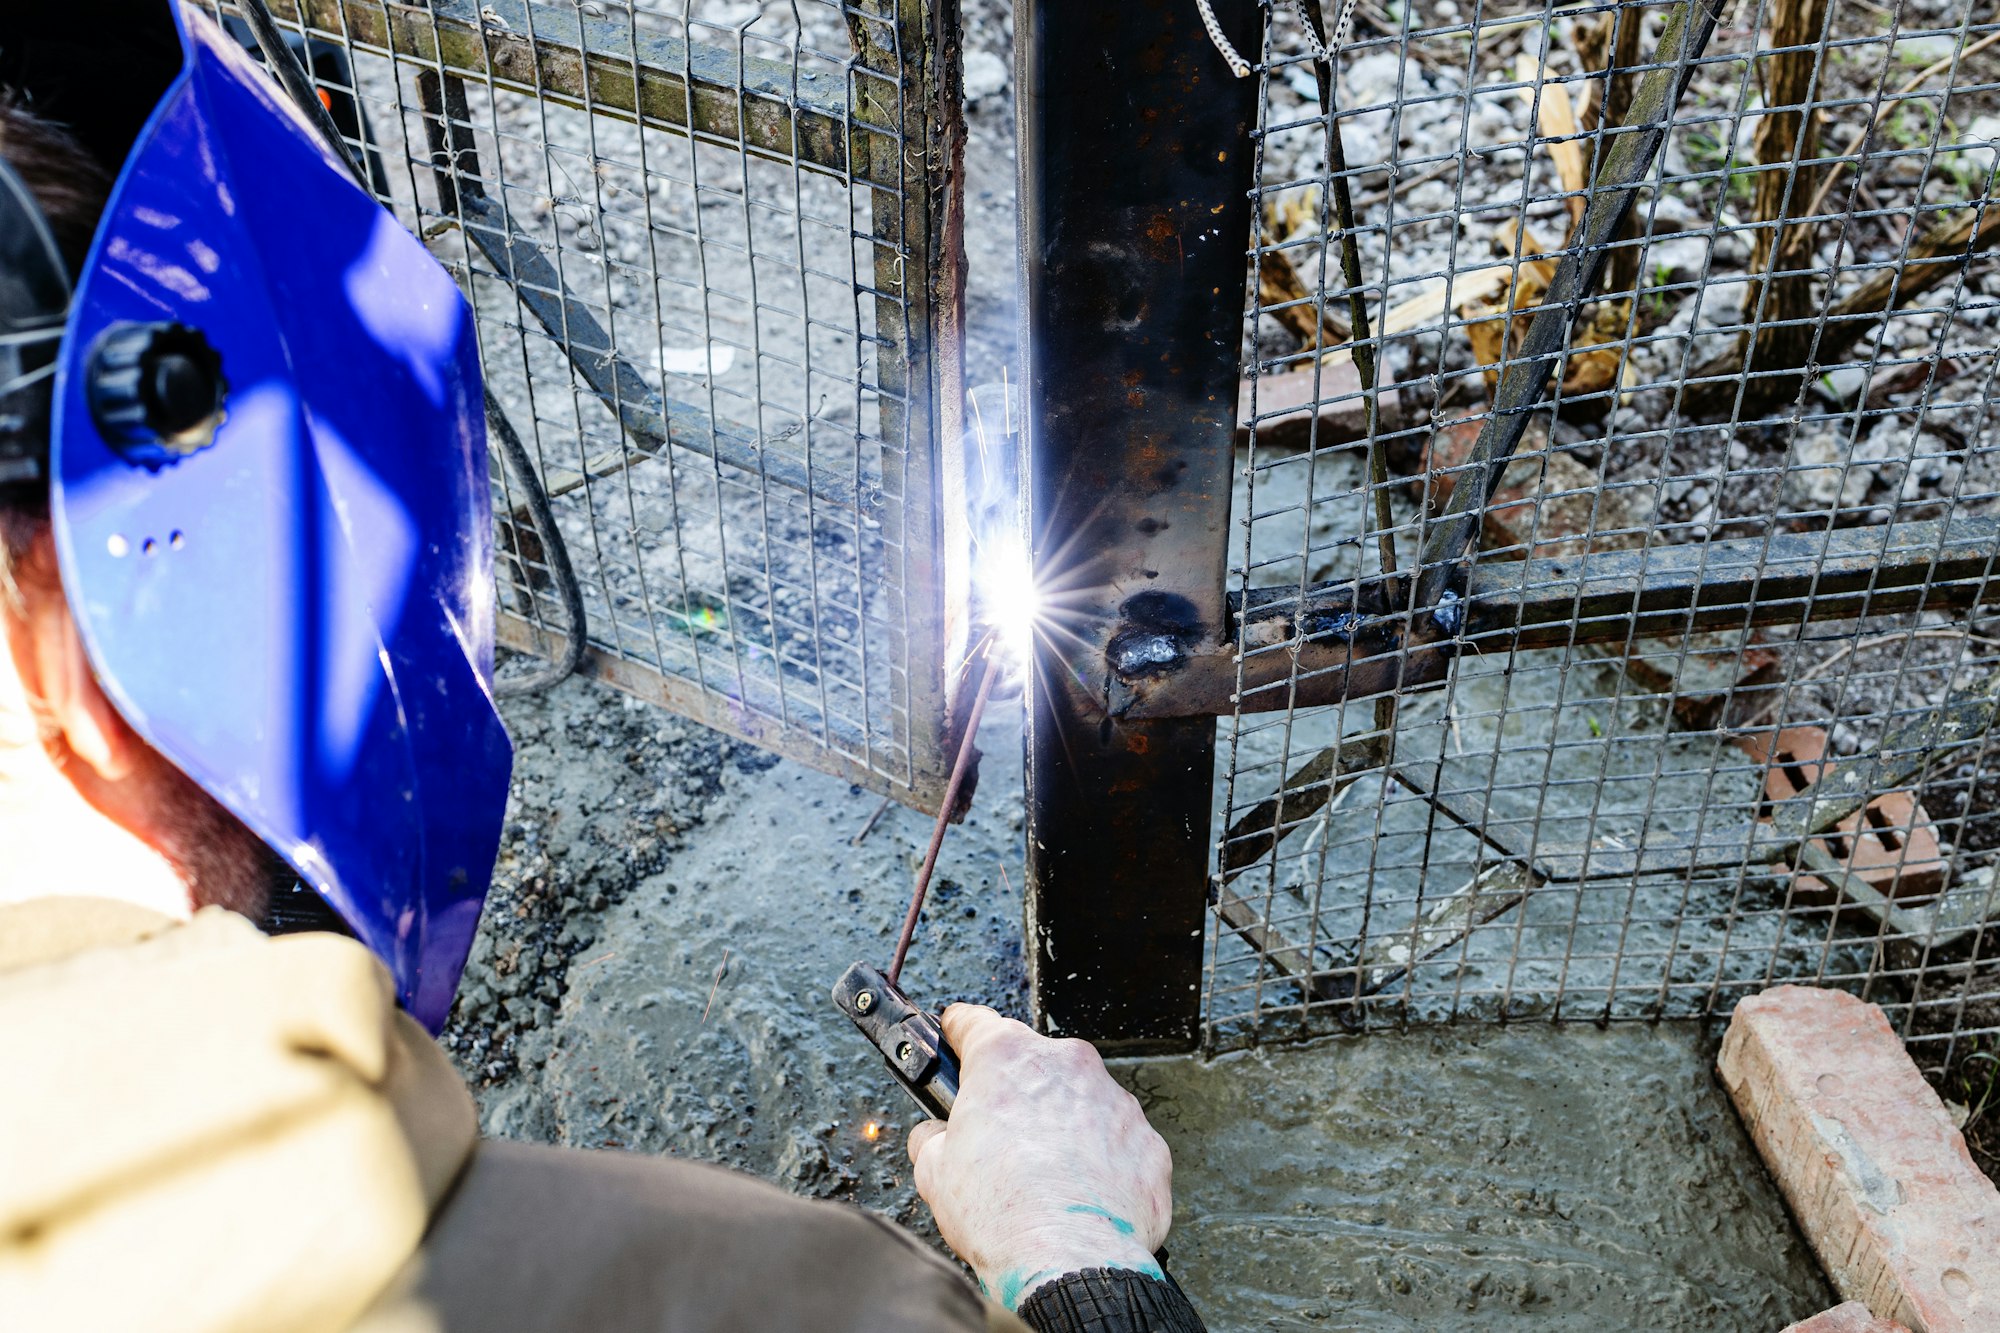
[1357,307]
[1622,267]
[1592,49]
[1778,303]
[1885,640]
[1935,256]
[958,770]
[1862,645]
[1887,109]
[1406,184]
[869,827]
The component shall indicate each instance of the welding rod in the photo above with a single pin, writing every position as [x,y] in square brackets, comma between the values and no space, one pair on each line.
[964,761]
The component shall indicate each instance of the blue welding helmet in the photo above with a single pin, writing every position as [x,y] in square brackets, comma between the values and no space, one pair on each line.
[267,469]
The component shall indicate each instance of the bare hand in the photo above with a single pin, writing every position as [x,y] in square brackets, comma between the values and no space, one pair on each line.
[1046,1166]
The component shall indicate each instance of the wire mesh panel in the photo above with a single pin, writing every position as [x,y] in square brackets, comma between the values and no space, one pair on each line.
[708,253]
[1618,492]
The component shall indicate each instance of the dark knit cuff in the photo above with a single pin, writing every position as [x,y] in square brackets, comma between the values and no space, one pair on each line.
[1109,1300]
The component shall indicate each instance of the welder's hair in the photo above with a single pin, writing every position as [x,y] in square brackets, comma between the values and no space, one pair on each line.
[71,188]
[221,860]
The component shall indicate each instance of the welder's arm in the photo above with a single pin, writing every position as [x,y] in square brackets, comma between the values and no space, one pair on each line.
[1050,1183]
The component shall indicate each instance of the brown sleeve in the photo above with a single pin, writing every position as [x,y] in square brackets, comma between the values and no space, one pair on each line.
[537,1238]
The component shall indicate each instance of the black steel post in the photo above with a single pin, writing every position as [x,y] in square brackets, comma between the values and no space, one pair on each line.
[1135,178]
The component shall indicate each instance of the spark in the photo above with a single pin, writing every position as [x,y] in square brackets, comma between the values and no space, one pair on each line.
[871,1131]
[1010,599]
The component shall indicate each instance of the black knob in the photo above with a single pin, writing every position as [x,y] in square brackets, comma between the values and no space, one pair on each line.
[156,391]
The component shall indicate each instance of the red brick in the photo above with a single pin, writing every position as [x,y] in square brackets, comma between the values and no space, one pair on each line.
[1891,844]
[1877,1176]
[1853,1317]
[1289,402]
[1548,503]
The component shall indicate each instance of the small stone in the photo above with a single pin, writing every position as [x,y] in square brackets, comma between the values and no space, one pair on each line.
[1842,383]
[986,75]
[1918,52]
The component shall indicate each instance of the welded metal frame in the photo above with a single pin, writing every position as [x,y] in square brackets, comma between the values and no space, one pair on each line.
[1120,740]
[892,128]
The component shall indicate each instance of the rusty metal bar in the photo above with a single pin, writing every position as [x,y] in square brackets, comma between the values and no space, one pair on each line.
[1344,640]
[1135,175]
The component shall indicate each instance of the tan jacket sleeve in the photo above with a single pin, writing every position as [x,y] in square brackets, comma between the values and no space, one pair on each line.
[209,1130]
[203,1129]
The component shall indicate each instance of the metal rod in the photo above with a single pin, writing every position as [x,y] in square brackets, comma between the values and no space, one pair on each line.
[958,770]
[298,84]
[1343,641]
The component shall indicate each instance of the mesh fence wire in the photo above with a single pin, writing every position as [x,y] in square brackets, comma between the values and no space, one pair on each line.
[1718,714]
[698,240]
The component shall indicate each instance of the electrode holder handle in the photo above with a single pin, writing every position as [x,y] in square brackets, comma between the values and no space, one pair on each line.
[910,1040]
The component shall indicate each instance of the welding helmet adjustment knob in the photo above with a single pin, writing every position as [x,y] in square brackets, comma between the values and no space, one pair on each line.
[156,391]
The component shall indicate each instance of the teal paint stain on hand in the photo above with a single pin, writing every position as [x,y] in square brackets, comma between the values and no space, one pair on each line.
[1015,1285]
[1124,1228]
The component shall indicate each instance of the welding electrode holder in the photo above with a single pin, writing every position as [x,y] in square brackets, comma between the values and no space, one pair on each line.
[911,1040]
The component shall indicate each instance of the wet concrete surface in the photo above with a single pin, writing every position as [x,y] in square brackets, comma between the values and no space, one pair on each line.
[673,907]
[1528,1177]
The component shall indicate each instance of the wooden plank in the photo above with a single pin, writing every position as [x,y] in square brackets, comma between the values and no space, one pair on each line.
[561,55]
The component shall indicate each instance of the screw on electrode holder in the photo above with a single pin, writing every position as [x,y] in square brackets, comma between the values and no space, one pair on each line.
[156,391]
[909,1039]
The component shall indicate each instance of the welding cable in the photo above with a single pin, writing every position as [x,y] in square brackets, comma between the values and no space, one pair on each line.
[555,551]
[298,84]
[1237,64]
[989,674]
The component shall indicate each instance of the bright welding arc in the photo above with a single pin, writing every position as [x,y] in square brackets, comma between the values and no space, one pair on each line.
[988,674]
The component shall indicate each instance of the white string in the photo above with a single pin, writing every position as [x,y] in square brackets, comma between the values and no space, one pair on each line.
[1237,64]
[1336,37]
[1313,43]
